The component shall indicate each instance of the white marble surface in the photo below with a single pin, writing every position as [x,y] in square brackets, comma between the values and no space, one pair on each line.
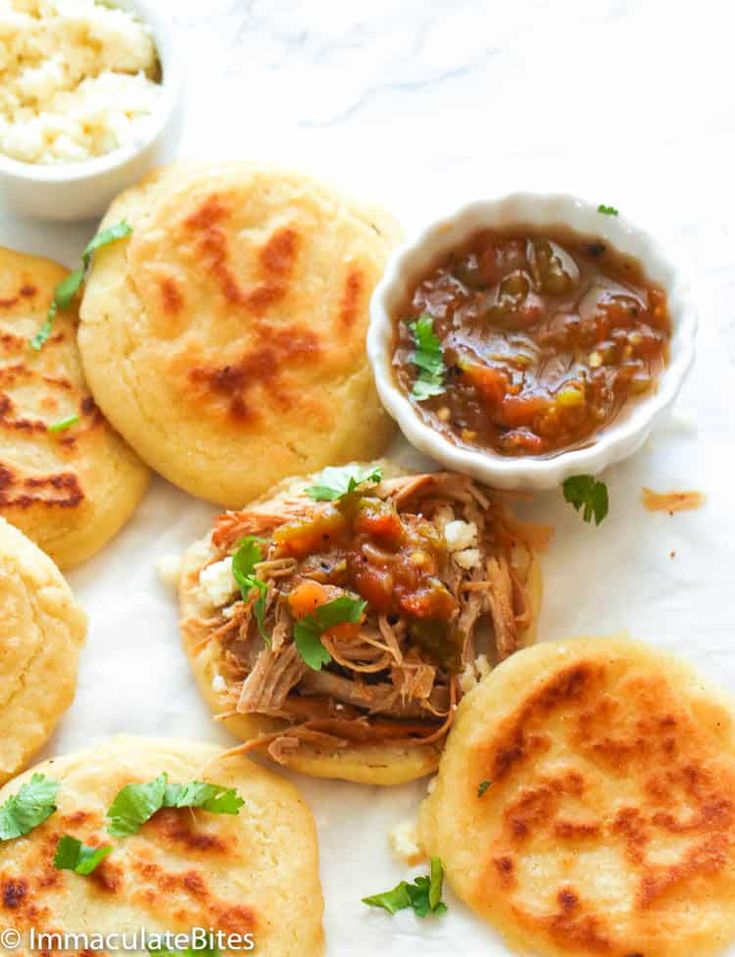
[420,105]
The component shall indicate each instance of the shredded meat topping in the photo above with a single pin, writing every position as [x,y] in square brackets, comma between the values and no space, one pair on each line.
[429,610]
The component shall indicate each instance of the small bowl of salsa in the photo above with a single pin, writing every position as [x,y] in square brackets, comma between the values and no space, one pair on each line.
[530,338]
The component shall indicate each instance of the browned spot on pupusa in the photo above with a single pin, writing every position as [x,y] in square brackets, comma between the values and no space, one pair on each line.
[172,299]
[259,369]
[60,490]
[189,892]
[680,796]
[351,300]
[276,258]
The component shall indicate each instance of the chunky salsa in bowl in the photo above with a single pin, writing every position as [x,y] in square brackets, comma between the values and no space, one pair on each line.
[528,340]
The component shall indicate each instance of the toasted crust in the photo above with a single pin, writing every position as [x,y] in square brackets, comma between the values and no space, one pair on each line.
[69,492]
[42,630]
[608,826]
[255,872]
[366,763]
[225,340]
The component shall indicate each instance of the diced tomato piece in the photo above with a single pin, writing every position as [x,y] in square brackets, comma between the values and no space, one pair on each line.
[346,631]
[523,410]
[491,382]
[381,522]
[431,602]
[375,585]
[308,595]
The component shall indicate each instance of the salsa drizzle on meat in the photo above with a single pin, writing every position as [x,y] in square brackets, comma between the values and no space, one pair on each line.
[439,569]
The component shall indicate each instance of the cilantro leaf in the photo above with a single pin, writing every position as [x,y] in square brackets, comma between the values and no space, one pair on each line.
[63,424]
[338,482]
[210,797]
[72,855]
[134,805]
[70,285]
[251,550]
[424,389]
[428,358]
[23,811]
[309,629]
[104,238]
[137,803]
[424,895]
[43,334]
[587,492]
[607,210]
[482,787]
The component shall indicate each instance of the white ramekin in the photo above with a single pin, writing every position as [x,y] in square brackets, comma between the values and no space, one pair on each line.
[615,442]
[83,190]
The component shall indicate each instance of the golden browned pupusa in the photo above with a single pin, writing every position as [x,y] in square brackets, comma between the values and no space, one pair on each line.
[608,823]
[226,339]
[255,872]
[42,630]
[379,712]
[69,491]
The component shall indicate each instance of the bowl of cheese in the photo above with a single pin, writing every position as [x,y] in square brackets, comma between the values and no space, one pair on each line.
[90,100]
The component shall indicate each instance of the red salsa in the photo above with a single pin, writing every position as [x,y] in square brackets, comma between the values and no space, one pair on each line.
[528,342]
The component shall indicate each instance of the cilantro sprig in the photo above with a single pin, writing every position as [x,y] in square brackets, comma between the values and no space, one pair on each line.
[424,894]
[607,210]
[428,358]
[73,855]
[250,551]
[63,424]
[71,284]
[137,803]
[482,787]
[308,630]
[33,803]
[587,493]
[335,483]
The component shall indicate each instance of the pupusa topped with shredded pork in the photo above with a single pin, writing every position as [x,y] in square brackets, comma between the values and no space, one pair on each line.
[337,622]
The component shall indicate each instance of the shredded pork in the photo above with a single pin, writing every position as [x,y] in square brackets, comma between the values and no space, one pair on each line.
[384,682]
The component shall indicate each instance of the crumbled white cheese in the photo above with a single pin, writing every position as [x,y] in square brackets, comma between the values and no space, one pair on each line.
[229,612]
[169,569]
[468,678]
[468,558]
[431,785]
[404,842]
[218,582]
[473,673]
[460,535]
[78,78]
[483,666]
[218,683]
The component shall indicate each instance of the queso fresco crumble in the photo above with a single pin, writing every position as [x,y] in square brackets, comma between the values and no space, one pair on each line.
[78,78]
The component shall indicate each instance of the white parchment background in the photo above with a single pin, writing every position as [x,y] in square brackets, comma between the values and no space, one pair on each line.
[421,105]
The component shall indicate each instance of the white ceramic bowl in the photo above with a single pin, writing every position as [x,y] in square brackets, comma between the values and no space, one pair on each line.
[83,190]
[616,441]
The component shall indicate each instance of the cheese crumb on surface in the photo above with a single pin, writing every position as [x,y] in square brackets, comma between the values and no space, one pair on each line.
[77,79]
[218,683]
[460,535]
[218,582]
[469,558]
[473,673]
[404,843]
[169,569]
